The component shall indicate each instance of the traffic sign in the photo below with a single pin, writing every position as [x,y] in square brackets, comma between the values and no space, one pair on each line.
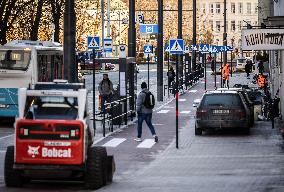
[93,42]
[204,48]
[167,48]
[148,28]
[230,48]
[148,49]
[176,46]
[108,45]
[140,18]
[194,47]
[186,49]
[122,51]
[214,49]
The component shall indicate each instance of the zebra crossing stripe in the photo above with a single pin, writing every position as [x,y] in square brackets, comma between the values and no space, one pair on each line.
[192,91]
[114,142]
[163,111]
[182,100]
[185,112]
[147,144]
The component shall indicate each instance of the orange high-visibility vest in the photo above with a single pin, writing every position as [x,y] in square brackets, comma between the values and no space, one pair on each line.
[226,72]
[261,81]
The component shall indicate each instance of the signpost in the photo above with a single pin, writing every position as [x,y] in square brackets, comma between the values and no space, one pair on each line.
[94,43]
[177,47]
[148,49]
[148,28]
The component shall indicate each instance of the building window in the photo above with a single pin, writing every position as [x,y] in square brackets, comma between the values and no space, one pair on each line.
[255,8]
[240,6]
[218,26]
[233,8]
[248,8]
[240,25]
[211,24]
[203,8]
[233,25]
[218,8]
[211,7]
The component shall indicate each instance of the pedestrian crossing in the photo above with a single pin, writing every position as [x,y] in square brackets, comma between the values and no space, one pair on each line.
[115,142]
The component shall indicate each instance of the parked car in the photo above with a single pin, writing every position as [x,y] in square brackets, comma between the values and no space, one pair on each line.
[88,65]
[247,100]
[222,109]
[109,66]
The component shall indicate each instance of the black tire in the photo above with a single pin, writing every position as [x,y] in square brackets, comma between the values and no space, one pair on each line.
[110,168]
[95,175]
[13,178]
[198,131]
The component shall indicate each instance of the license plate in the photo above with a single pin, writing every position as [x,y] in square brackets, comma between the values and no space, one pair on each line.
[220,111]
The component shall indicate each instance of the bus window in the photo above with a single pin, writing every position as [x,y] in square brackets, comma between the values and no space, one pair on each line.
[50,66]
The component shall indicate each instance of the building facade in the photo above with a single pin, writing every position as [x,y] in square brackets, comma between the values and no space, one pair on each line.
[239,14]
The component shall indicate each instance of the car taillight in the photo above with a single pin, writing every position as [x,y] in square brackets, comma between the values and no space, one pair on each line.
[241,113]
[200,113]
[24,131]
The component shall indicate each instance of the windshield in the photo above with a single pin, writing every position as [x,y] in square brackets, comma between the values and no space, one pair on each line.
[51,107]
[14,59]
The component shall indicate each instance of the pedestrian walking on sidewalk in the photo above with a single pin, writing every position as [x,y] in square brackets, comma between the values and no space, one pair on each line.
[144,105]
[213,63]
[248,67]
[106,91]
[171,76]
[260,67]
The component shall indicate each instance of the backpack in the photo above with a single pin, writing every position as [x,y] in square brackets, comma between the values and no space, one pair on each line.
[149,101]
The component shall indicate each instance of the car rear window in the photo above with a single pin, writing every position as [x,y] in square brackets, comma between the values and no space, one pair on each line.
[222,100]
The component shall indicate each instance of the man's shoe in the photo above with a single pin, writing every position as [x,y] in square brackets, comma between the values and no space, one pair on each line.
[138,139]
[156,138]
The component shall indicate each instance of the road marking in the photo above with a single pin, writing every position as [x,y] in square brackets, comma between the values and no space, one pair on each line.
[169,107]
[192,91]
[147,144]
[185,112]
[157,124]
[163,111]
[114,142]
[182,100]
[6,136]
[2,151]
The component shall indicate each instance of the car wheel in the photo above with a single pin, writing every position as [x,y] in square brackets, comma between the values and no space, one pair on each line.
[96,172]
[198,131]
[13,178]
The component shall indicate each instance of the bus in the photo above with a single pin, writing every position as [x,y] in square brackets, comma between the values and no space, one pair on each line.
[23,63]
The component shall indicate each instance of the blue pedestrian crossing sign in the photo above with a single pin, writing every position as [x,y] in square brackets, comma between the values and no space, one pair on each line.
[176,46]
[194,47]
[93,42]
[167,48]
[204,48]
[148,49]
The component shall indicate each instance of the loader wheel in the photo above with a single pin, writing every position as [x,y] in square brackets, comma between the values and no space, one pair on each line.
[95,176]
[12,177]
[197,131]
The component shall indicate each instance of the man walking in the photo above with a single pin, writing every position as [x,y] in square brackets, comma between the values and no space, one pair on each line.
[248,67]
[260,67]
[144,105]
[226,75]
[105,90]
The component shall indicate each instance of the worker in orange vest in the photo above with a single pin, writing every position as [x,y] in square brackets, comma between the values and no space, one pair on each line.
[226,74]
[261,81]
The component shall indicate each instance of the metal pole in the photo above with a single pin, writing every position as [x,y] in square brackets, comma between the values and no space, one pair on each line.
[108,18]
[168,74]
[69,45]
[215,75]
[231,64]
[103,20]
[205,76]
[194,35]
[160,52]
[180,57]
[221,67]
[94,91]
[225,31]
[148,63]
[177,95]
[131,30]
